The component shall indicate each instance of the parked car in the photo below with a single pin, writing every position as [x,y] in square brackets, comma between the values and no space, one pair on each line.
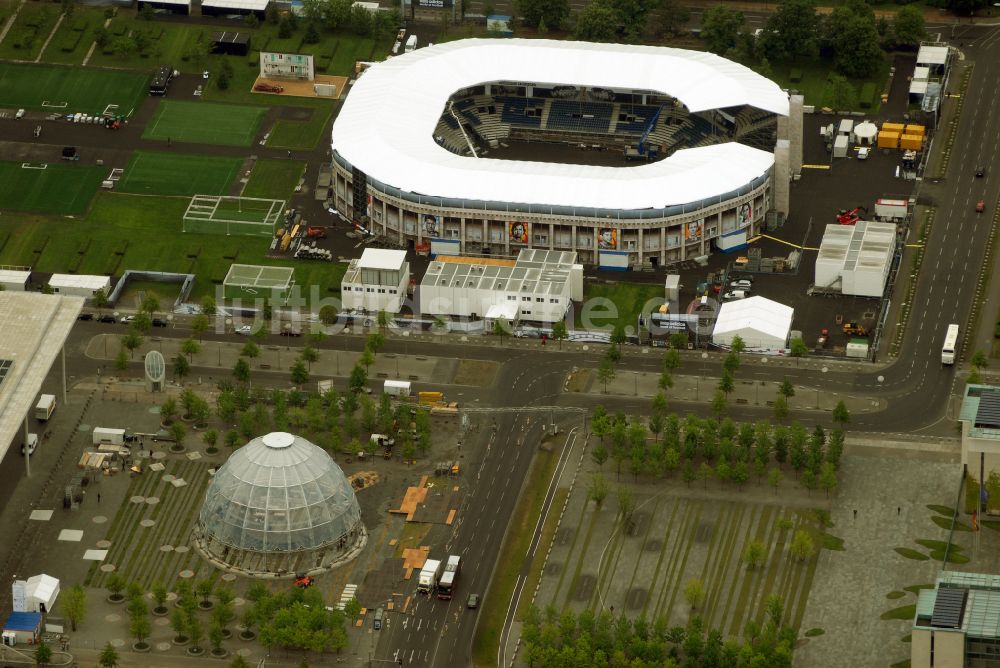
[159,322]
[291,332]
[204,75]
[85,316]
[736,294]
[30,446]
[244,330]
[742,284]
[980,172]
[126,319]
[473,601]
[19,115]
[106,318]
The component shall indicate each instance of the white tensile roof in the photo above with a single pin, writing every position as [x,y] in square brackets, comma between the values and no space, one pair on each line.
[256,5]
[932,55]
[386,126]
[90,282]
[43,588]
[755,313]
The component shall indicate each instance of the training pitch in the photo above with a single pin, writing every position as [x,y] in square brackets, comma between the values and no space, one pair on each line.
[151,173]
[205,123]
[69,89]
[48,188]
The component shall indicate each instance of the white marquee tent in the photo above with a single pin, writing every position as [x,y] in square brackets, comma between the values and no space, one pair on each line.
[761,323]
[41,592]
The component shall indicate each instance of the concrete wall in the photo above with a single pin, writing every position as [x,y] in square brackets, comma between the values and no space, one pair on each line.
[796,103]
[782,176]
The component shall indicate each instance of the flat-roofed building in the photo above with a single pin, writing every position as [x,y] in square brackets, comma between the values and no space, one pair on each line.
[376,281]
[81,285]
[958,622]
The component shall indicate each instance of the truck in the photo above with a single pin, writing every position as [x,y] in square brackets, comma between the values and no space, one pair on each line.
[397,388]
[446,586]
[43,409]
[411,43]
[109,436]
[429,576]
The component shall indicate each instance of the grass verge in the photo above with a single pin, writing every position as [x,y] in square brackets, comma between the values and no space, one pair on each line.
[548,532]
[910,553]
[274,179]
[520,529]
[620,304]
[902,612]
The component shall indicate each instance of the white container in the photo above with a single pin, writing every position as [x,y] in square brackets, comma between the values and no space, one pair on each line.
[397,388]
[108,435]
[43,409]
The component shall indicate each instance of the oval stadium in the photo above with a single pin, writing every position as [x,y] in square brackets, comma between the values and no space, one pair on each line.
[630,156]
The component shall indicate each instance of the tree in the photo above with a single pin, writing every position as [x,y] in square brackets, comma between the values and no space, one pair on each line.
[828,478]
[792,32]
[241,370]
[840,414]
[74,606]
[327,312]
[597,491]
[797,348]
[195,630]
[850,30]
[802,546]
[626,505]
[150,303]
[705,473]
[694,593]
[168,410]
[178,432]
[121,360]
[286,27]
[139,626]
[159,592]
[669,19]
[367,359]
[731,362]
[560,332]
[606,373]
[226,71]
[720,26]
[551,13]
[208,306]
[774,477]
[358,379]
[809,480]
[726,383]
[115,586]
[780,408]
[978,359]
[232,439]
[109,655]
[753,554]
[786,389]
[908,26]
[215,636]
[200,325]
[205,588]
[966,7]
[43,655]
[178,622]
[146,12]
[719,403]
[100,298]
[597,22]
[842,93]
[239,661]
[309,355]
[132,340]
[190,347]
[599,455]
[500,328]
[181,367]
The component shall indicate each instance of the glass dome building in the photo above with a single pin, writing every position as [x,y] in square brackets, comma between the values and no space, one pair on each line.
[280,504]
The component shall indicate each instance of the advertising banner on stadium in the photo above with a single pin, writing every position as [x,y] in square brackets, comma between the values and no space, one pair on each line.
[607,238]
[430,226]
[692,231]
[435,4]
[744,215]
[519,233]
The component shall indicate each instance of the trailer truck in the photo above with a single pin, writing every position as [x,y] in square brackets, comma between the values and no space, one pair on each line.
[109,436]
[43,409]
[429,576]
[446,586]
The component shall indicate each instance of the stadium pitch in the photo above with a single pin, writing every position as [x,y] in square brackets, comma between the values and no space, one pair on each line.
[152,173]
[56,188]
[69,89]
[205,123]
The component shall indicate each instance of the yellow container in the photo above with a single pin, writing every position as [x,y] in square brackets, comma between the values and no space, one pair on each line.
[893,127]
[888,139]
[915,130]
[911,142]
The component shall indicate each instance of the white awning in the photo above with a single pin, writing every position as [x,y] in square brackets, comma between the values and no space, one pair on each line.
[506,311]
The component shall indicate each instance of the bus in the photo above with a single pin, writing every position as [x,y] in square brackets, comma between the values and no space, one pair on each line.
[950,343]
[446,585]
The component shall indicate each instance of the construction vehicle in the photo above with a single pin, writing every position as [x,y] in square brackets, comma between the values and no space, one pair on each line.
[316,232]
[303,581]
[855,329]
[846,217]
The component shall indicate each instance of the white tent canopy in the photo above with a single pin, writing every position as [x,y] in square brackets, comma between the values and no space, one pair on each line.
[42,591]
[394,143]
[763,324]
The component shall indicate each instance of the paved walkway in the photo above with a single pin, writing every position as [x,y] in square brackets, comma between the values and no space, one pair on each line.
[52,34]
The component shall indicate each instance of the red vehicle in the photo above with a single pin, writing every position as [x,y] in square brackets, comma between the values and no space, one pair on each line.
[851,217]
[980,206]
[303,581]
[263,87]
[316,232]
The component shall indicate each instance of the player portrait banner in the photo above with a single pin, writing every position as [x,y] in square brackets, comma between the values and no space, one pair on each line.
[607,238]
[287,66]
[430,226]
[692,231]
[745,215]
[519,233]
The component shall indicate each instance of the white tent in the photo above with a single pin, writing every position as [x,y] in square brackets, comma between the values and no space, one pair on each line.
[42,592]
[761,323]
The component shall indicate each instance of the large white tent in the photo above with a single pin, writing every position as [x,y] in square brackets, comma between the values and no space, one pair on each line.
[763,324]
[394,142]
[41,592]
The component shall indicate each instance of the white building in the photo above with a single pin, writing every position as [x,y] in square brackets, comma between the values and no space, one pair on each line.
[14,280]
[856,258]
[537,287]
[763,324]
[376,281]
[39,594]
[81,285]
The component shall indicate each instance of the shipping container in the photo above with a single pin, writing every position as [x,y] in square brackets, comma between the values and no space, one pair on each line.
[840,146]
[888,139]
[911,142]
[397,388]
[893,127]
[915,130]
[108,435]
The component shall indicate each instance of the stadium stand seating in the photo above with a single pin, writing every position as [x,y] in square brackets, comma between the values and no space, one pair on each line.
[515,111]
[580,116]
[633,119]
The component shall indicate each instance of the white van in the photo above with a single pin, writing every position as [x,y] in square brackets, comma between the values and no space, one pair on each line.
[19,115]
[741,284]
[411,43]
[31,444]
[863,153]
[733,295]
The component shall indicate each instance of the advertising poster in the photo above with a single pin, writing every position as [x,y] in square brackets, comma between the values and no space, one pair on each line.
[607,238]
[519,233]
[431,225]
[368,206]
[744,215]
[692,231]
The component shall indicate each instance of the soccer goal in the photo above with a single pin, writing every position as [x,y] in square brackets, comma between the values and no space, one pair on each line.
[241,216]
[32,165]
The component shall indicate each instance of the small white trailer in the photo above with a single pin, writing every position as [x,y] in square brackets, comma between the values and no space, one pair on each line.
[397,388]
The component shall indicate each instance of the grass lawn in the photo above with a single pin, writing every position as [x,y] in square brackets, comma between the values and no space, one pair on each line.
[274,179]
[58,189]
[300,134]
[205,123]
[49,87]
[74,37]
[168,42]
[515,547]
[30,30]
[139,232]
[628,300]
[815,85]
[150,173]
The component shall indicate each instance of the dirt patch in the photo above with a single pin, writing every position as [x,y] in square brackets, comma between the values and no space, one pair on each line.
[303,88]
[578,381]
[475,372]
[295,113]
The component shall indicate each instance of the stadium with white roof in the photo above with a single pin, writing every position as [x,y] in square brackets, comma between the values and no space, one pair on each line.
[675,152]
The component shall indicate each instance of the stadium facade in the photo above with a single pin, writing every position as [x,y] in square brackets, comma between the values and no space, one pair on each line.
[711,144]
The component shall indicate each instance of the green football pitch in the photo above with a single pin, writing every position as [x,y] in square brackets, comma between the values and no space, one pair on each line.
[205,123]
[152,173]
[69,89]
[58,188]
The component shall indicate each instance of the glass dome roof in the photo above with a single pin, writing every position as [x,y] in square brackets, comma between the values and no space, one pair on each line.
[279,493]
